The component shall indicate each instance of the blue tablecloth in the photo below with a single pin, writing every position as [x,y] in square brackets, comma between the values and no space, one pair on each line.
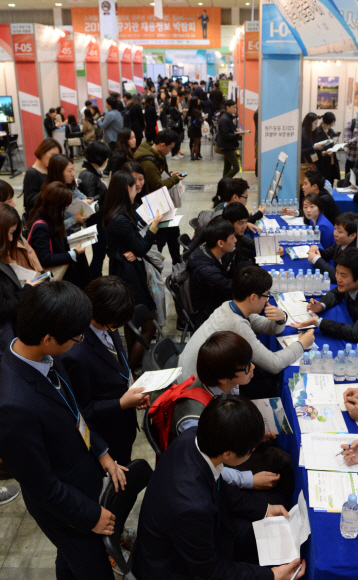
[344,202]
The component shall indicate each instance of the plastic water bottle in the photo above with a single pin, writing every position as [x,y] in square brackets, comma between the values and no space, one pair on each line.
[328,363]
[284,235]
[275,285]
[300,281]
[314,349]
[351,367]
[290,204]
[348,349]
[317,284]
[324,351]
[291,282]
[278,234]
[317,363]
[270,232]
[310,235]
[317,235]
[349,518]
[263,232]
[290,235]
[274,207]
[339,367]
[268,207]
[309,283]
[295,204]
[279,206]
[305,363]
[304,234]
[297,235]
[283,281]
[326,283]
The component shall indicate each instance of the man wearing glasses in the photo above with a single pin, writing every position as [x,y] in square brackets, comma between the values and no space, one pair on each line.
[243,315]
[44,440]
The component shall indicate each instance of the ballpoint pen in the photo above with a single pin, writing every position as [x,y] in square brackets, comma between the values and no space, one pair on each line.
[349,446]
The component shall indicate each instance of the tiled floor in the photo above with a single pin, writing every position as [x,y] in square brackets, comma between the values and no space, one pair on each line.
[25,553]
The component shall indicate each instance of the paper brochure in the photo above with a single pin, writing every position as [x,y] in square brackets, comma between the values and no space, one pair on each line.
[156,380]
[295,304]
[274,415]
[86,237]
[328,491]
[266,245]
[318,418]
[86,209]
[320,451]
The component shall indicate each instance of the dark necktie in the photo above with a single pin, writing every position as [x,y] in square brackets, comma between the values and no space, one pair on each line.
[55,380]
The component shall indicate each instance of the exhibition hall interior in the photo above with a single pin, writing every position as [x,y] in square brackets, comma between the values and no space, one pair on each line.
[178,342]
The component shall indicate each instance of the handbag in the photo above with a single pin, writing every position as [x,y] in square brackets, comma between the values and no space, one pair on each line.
[205,128]
[57,272]
[306,167]
[171,123]
[156,285]
[73,141]
[177,193]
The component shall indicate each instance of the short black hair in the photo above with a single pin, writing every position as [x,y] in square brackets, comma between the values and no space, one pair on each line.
[328,118]
[97,152]
[315,199]
[220,357]
[52,110]
[250,280]
[236,186]
[203,83]
[235,212]
[230,423]
[315,178]
[349,259]
[112,102]
[218,229]
[216,84]
[167,136]
[112,301]
[229,103]
[88,103]
[349,220]
[59,309]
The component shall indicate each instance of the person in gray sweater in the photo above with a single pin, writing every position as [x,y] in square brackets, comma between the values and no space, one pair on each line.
[250,289]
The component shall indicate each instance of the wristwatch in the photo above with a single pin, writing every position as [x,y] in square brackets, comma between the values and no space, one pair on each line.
[281,322]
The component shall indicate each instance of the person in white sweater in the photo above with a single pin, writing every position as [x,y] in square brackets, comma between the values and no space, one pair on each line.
[250,289]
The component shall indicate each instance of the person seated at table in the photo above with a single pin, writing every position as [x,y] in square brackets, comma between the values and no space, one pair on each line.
[224,364]
[250,291]
[193,524]
[99,370]
[312,209]
[210,279]
[345,236]
[232,189]
[347,290]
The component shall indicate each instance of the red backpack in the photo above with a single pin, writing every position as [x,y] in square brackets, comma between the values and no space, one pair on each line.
[162,409]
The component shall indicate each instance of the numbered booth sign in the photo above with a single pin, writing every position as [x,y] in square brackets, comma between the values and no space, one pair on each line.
[24,47]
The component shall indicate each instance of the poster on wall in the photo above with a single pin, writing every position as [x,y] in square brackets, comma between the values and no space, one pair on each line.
[327,92]
[350,91]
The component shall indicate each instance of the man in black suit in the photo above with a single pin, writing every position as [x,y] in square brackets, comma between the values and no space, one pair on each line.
[192,523]
[347,290]
[314,182]
[44,440]
[50,122]
[345,236]
[99,371]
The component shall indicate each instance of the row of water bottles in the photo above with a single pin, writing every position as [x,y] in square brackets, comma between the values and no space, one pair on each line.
[344,367]
[293,235]
[311,284]
[275,207]
[320,362]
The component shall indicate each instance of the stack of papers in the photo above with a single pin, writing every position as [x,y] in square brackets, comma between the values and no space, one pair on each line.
[266,246]
[85,237]
[261,260]
[313,388]
[298,252]
[345,190]
[157,380]
[157,200]
[279,539]
[86,209]
[274,415]
[328,491]
[320,451]
[293,220]
[337,147]
[295,304]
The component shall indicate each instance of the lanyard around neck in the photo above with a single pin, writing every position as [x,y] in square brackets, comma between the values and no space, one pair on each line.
[129,372]
[77,417]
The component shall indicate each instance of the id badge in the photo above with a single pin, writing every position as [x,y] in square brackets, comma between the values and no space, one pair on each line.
[314,158]
[85,432]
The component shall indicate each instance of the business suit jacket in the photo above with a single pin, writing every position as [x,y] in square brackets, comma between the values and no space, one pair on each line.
[328,255]
[347,332]
[11,294]
[61,480]
[98,385]
[186,524]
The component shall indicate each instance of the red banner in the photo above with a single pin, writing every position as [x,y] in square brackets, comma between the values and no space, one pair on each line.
[137,59]
[24,47]
[126,63]
[92,52]
[66,51]
[29,103]
[6,53]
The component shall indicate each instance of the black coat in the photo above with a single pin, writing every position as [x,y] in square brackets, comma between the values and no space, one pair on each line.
[207,109]
[119,159]
[329,171]
[137,121]
[217,98]
[92,185]
[227,139]
[123,236]
[210,283]
[50,249]
[150,115]
[187,523]
[330,208]
[98,384]
[33,182]
[40,444]
[328,255]
[346,332]
[11,295]
[49,124]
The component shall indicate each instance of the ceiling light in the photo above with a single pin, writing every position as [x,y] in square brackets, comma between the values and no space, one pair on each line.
[200,3]
[93,39]
[218,54]
[338,62]
[247,3]
[152,3]
[58,4]
[12,5]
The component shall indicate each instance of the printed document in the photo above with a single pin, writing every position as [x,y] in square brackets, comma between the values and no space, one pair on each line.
[320,451]
[279,539]
[157,200]
[293,220]
[86,237]
[86,209]
[266,246]
[274,415]
[156,380]
[313,388]
[328,491]
[321,418]
[298,252]
[275,259]
[295,304]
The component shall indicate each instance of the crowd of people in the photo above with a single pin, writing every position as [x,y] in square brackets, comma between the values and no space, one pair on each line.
[66,411]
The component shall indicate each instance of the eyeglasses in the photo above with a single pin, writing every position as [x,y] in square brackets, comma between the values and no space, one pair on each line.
[79,340]
[267,296]
[243,197]
[246,369]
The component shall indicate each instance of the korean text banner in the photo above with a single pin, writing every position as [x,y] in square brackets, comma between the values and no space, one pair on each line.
[179,27]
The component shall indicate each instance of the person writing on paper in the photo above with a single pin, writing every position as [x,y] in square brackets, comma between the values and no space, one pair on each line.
[47,235]
[224,365]
[347,290]
[192,523]
[345,236]
[236,189]
[250,291]
[99,371]
[312,209]
[58,460]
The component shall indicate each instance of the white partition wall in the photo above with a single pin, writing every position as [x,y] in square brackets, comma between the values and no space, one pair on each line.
[8,87]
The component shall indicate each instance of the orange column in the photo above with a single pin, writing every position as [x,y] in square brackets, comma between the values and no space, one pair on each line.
[251,93]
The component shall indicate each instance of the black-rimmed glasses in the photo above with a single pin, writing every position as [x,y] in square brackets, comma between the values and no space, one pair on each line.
[267,296]
[79,340]
[245,369]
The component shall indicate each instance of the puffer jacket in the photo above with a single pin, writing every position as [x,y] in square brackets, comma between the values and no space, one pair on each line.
[154,168]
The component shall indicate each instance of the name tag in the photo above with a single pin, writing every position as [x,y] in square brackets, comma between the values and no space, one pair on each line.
[85,432]
[314,158]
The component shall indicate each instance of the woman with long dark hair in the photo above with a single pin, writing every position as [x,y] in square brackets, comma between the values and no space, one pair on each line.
[194,130]
[135,116]
[309,139]
[88,127]
[135,169]
[175,123]
[328,163]
[35,175]
[164,109]
[150,115]
[60,116]
[125,145]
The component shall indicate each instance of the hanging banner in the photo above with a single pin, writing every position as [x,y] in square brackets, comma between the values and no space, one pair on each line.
[251,90]
[67,74]
[276,37]
[125,56]
[137,59]
[178,27]
[108,19]
[318,26]
[29,98]
[114,81]
[252,40]
[6,53]
[47,39]
[93,68]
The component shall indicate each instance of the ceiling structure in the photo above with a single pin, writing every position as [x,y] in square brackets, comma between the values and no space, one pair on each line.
[49,4]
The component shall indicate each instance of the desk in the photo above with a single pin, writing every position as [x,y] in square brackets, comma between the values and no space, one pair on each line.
[344,202]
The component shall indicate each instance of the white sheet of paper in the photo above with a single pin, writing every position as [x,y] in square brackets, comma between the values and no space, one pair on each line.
[301,459]
[295,304]
[266,246]
[173,223]
[293,220]
[340,389]
[269,223]
[23,273]
[352,177]
[315,389]
[157,200]
[328,491]
[301,251]
[82,234]
[344,190]
[321,418]
[156,380]
[268,260]
[337,147]
[279,539]
[80,204]
[89,241]
[351,196]
[320,451]
[325,142]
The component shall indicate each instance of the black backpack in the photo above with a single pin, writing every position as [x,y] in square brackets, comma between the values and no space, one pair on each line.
[180,278]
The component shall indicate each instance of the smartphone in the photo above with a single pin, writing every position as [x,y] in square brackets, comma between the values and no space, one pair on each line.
[42,277]
[183,175]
